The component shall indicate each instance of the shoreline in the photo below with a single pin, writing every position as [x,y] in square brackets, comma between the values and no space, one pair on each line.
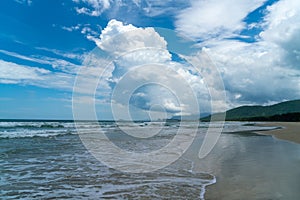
[246,173]
[288,131]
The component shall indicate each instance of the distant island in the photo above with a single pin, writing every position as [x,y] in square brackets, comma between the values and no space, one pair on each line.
[284,111]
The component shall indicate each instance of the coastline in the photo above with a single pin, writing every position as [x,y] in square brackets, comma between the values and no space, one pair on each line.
[289,131]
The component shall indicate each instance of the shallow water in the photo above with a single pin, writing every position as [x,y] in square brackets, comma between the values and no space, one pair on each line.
[48,160]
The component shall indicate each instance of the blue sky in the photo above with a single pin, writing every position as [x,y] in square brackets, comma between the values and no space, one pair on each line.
[44,44]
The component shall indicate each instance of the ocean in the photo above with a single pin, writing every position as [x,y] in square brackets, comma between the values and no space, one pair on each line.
[48,160]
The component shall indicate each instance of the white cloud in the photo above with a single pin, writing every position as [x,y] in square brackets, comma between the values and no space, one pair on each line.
[71,28]
[261,72]
[88,31]
[140,57]
[85,29]
[137,2]
[282,24]
[154,8]
[83,11]
[152,85]
[114,40]
[149,8]
[28,2]
[97,7]
[12,73]
[13,54]
[213,19]
[58,64]
[255,72]
[75,56]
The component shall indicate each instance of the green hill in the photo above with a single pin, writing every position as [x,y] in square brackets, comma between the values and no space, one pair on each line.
[285,111]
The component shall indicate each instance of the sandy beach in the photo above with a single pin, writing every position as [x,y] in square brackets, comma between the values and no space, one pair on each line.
[253,167]
[289,131]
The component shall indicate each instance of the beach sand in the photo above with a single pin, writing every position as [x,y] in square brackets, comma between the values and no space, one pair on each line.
[251,175]
[289,131]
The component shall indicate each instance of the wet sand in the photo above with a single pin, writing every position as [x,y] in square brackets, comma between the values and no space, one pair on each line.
[289,131]
[251,167]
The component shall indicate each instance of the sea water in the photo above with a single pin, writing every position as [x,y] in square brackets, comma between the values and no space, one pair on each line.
[47,159]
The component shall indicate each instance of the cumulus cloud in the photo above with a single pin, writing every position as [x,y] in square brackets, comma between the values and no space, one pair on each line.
[254,73]
[267,70]
[142,72]
[118,38]
[262,72]
[215,19]
[245,67]
[156,84]
[282,24]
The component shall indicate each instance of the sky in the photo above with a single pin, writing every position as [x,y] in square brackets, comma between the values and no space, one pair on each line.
[115,59]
